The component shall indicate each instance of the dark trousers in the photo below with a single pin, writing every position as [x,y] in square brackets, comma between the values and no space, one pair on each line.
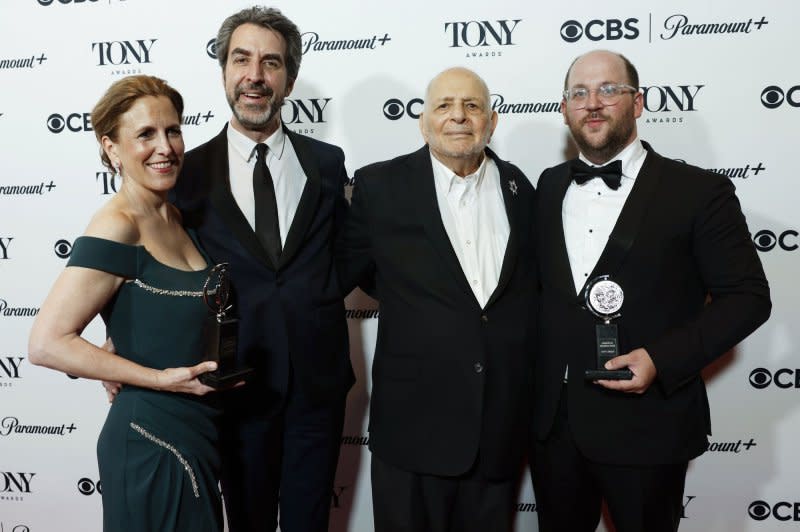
[290,457]
[410,502]
[570,488]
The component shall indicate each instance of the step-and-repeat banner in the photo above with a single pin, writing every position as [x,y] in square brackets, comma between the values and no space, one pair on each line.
[721,91]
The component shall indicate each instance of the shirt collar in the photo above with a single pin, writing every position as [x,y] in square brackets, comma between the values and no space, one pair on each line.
[246,147]
[447,178]
[632,157]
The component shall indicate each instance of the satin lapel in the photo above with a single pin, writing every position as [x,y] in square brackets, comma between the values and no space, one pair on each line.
[309,199]
[222,200]
[630,219]
[512,212]
[422,186]
[551,229]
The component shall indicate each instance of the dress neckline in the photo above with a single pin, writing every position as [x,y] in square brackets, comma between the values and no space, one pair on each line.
[162,264]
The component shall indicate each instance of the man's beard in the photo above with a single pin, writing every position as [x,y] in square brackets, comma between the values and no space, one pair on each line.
[615,139]
[251,116]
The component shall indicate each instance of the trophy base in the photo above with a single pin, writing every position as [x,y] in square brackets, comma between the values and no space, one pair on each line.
[608,374]
[225,379]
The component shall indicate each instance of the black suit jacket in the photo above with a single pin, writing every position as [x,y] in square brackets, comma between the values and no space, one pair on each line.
[291,311]
[450,379]
[681,236]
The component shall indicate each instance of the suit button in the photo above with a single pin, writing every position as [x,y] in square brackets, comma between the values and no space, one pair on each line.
[279,281]
[478,367]
[484,318]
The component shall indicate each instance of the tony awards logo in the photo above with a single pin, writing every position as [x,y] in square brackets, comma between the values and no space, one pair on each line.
[221,332]
[604,299]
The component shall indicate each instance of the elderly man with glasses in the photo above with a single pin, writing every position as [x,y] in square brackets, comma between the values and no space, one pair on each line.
[648,275]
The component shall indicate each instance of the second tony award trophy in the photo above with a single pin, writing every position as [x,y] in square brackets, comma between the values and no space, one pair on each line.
[604,299]
[221,332]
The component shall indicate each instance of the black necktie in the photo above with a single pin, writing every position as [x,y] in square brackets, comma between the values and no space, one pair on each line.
[267,227]
[611,174]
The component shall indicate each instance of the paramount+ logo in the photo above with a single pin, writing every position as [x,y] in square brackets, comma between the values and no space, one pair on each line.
[785,378]
[780,511]
[612,29]
[773,96]
[74,122]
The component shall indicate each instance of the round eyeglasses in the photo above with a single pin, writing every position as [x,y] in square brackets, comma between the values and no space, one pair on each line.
[607,94]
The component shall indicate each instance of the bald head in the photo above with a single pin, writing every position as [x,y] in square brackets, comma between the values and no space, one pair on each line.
[605,56]
[458,122]
[455,76]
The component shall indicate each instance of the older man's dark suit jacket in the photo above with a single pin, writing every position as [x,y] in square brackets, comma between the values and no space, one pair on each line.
[681,237]
[450,379]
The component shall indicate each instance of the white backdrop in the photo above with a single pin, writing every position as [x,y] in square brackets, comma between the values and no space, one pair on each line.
[722,92]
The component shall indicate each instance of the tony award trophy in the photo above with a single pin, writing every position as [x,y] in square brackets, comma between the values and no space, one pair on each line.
[220,333]
[604,299]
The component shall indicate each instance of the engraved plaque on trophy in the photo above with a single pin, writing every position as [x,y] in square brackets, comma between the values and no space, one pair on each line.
[604,299]
[221,332]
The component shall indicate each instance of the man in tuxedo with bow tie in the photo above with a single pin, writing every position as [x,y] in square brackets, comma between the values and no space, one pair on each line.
[673,239]
[443,238]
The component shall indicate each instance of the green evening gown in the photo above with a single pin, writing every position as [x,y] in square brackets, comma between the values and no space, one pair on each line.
[157,452]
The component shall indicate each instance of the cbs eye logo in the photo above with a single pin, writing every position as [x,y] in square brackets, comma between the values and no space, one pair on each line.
[781,511]
[74,122]
[211,48]
[395,109]
[760,378]
[773,96]
[784,378]
[56,123]
[766,240]
[759,510]
[596,30]
[63,249]
[87,487]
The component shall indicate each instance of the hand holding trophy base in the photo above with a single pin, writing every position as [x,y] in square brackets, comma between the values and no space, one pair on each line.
[604,299]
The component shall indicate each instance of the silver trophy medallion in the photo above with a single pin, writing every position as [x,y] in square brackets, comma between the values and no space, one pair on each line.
[604,297]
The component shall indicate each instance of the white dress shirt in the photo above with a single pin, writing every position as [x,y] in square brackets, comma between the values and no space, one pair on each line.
[287,176]
[590,211]
[474,216]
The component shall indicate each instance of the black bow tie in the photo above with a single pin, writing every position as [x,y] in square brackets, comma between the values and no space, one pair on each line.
[611,174]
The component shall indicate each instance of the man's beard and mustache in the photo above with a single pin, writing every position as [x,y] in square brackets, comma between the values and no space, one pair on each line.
[604,148]
[255,116]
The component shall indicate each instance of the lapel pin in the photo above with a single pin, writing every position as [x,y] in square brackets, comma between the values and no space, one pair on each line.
[512,186]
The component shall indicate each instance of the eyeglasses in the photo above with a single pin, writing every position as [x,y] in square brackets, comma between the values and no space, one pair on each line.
[608,94]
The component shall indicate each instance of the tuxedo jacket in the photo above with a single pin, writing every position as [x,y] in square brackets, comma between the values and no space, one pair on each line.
[451,380]
[291,314]
[693,288]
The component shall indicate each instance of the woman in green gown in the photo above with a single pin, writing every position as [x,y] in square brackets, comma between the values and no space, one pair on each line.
[143,273]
